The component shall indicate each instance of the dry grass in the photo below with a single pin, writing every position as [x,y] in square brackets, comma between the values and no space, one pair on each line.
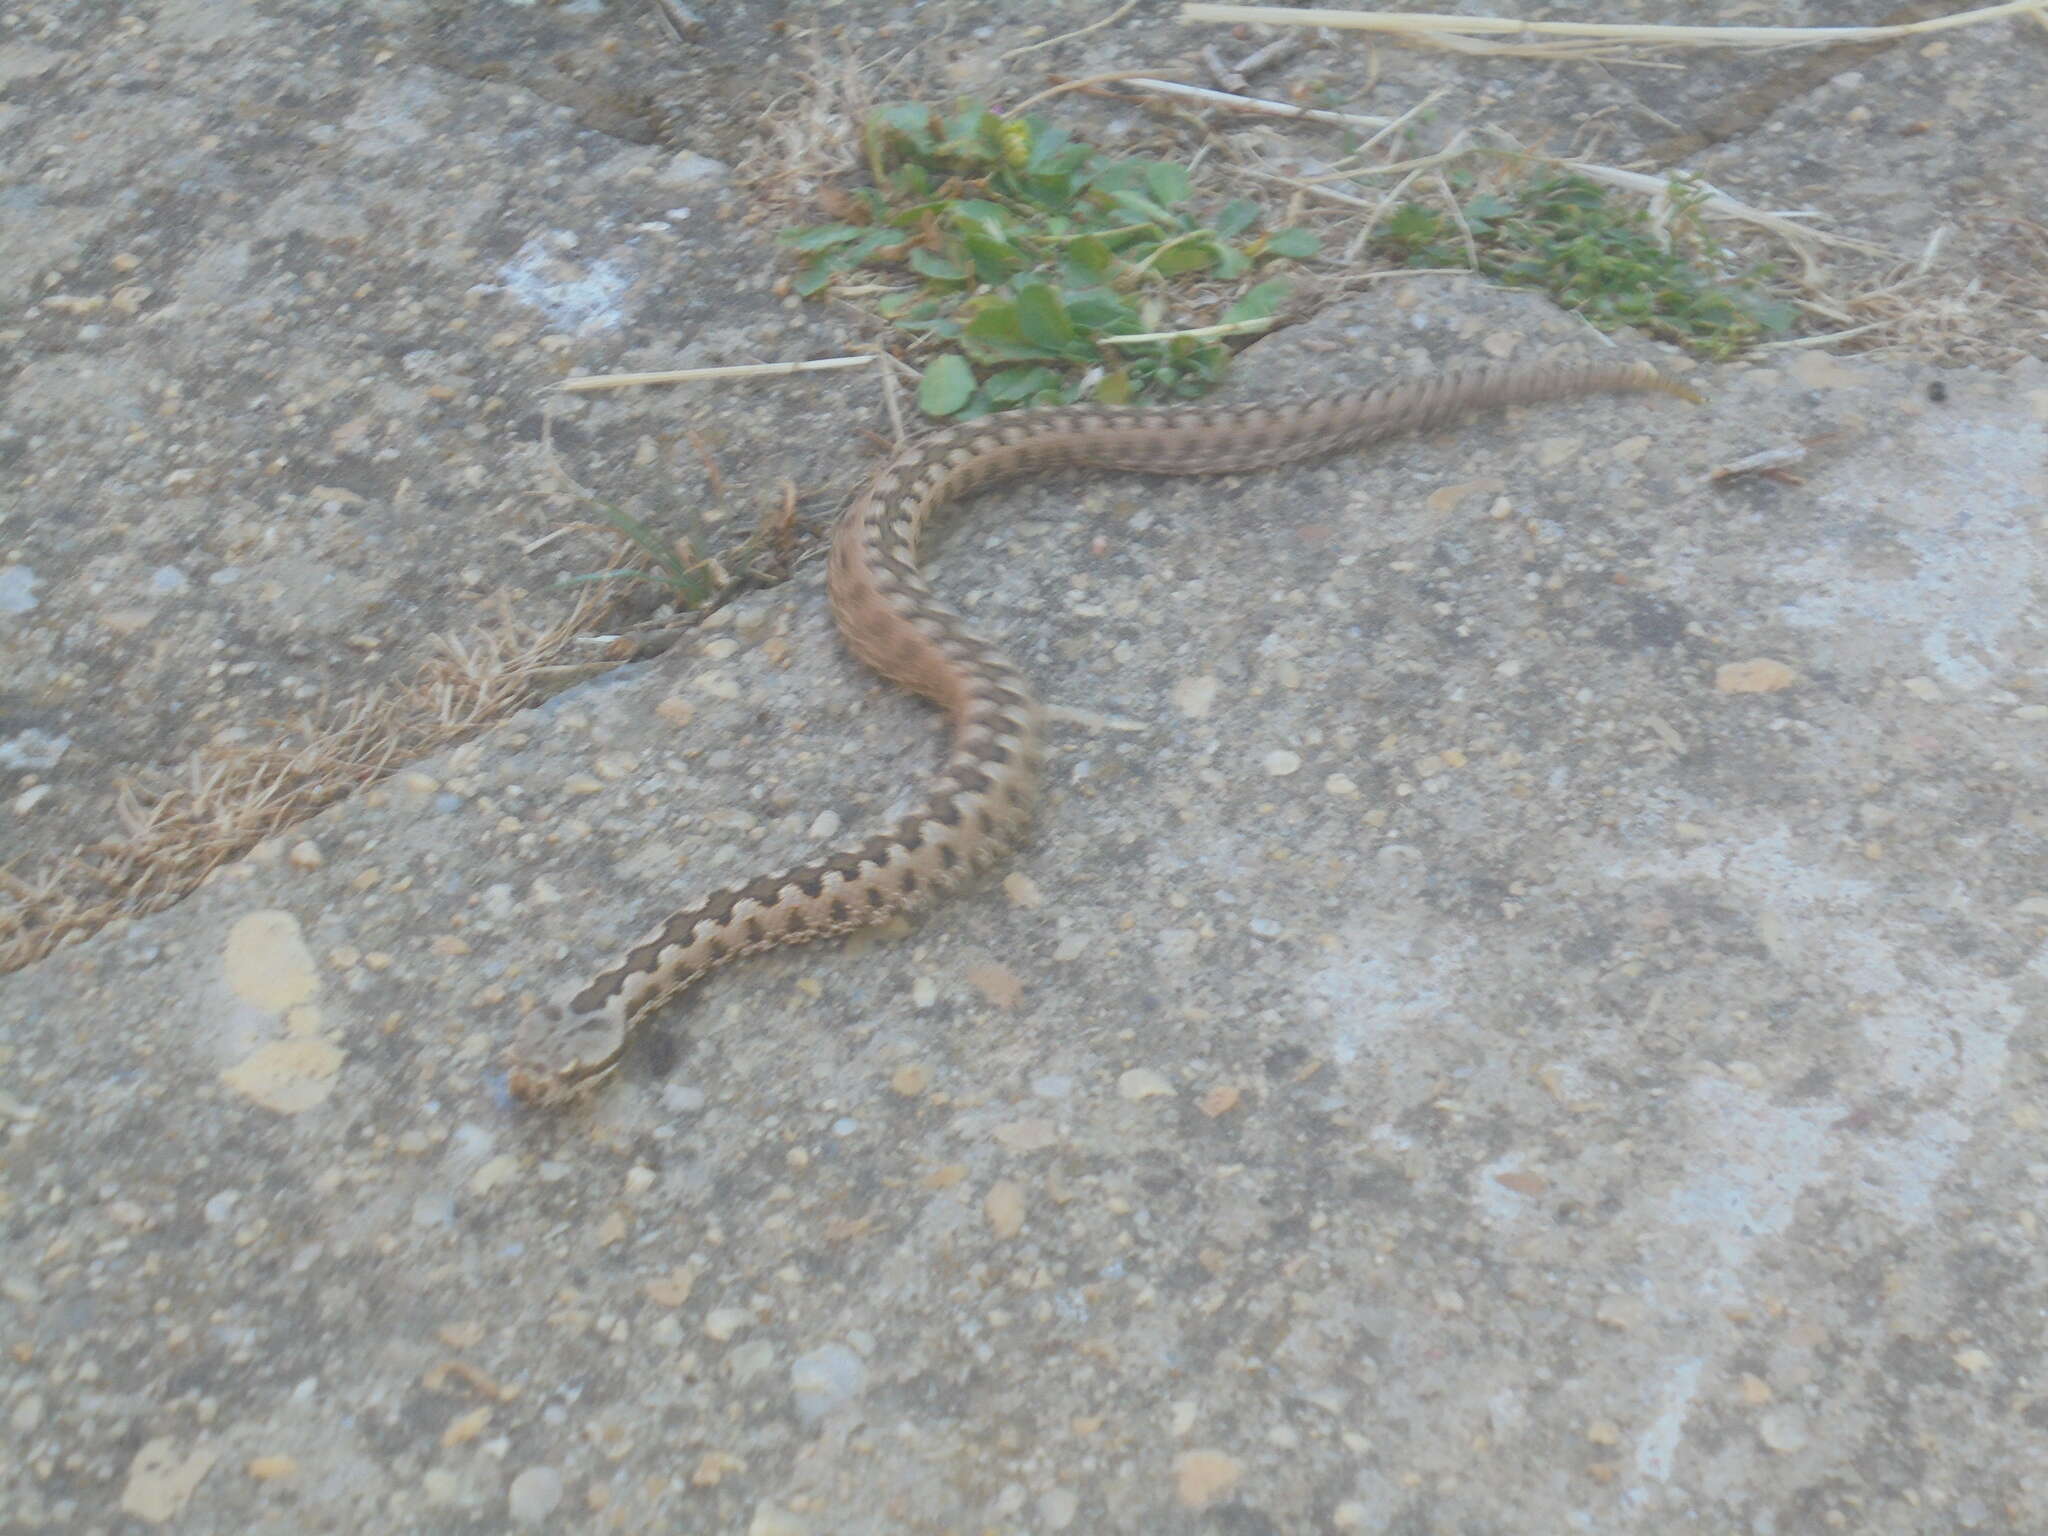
[1976,296]
[230,797]
[178,829]
[1589,39]
[809,137]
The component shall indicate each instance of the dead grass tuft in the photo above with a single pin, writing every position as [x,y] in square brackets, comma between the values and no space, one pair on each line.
[229,797]
[1975,296]
[811,136]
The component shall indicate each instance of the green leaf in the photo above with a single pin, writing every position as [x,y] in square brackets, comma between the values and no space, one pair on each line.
[908,120]
[1296,243]
[993,260]
[821,238]
[945,327]
[996,335]
[813,278]
[1043,318]
[1047,140]
[1168,183]
[870,241]
[1014,384]
[946,385]
[945,269]
[1143,209]
[979,215]
[1086,260]
[1238,215]
[1099,312]
[975,136]
[1052,193]
[1261,303]
[1195,255]
[1118,175]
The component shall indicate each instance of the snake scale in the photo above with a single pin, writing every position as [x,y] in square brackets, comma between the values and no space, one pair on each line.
[892,621]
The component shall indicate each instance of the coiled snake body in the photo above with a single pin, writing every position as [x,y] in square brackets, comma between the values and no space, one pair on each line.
[892,621]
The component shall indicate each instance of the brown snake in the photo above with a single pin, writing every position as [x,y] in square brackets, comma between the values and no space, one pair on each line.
[893,621]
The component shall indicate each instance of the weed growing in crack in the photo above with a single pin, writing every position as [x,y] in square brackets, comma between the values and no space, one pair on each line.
[1039,270]
[1600,255]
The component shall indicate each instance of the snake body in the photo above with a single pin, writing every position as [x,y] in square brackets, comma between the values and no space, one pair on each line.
[893,621]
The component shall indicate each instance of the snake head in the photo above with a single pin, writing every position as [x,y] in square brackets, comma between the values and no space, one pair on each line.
[560,1051]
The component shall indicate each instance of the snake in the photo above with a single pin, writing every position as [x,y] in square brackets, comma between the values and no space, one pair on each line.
[978,806]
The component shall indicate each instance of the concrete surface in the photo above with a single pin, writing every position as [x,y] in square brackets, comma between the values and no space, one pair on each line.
[1525,1010]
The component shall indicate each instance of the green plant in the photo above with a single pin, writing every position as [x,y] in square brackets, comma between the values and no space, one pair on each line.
[1600,255]
[1033,256]
[689,583]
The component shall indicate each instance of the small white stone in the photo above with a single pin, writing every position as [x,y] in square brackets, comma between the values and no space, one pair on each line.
[1282,763]
[534,1495]
[682,1099]
[1338,784]
[1143,1083]
[826,1379]
[18,589]
[750,1360]
[1782,1429]
[690,169]
[1194,696]
[721,1323]
[433,1209]
[773,1520]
